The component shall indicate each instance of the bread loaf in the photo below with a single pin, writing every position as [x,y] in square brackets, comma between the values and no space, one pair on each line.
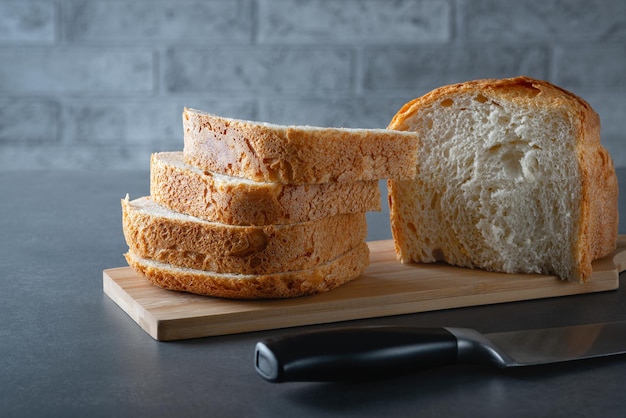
[216,197]
[295,154]
[511,177]
[159,234]
[318,279]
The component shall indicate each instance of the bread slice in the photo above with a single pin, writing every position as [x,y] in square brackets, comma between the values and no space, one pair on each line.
[511,177]
[154,232]
[231,200]
[295,154]
[318,279]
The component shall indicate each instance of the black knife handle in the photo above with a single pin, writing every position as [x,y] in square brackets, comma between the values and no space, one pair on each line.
[353,353]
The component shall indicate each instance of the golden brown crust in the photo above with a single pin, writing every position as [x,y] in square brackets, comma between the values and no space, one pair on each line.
[156,233]
[318,279]
[597,235]
[186,189]
[295,154]
[521,89]
[599,223]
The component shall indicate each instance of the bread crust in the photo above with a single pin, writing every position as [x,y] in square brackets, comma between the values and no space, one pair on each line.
[600,218]
[295,154]
[319,279]
[186,189]
[596,234]
[156,233]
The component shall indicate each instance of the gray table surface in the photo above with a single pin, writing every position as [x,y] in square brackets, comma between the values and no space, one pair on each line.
[67,350]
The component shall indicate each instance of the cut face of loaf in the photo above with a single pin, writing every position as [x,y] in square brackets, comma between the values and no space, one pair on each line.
[216,197]
[511,177]
[156,233]
[318,279]
[295,154]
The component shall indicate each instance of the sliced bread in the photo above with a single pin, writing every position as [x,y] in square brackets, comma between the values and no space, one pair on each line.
[295,154]
[216,197]
[318,279]
[511,177]
[157,233]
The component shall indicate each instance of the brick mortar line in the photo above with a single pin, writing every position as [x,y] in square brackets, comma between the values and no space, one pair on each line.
[254,22]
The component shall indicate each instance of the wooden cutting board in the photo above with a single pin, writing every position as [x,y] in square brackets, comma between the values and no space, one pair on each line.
[386,288]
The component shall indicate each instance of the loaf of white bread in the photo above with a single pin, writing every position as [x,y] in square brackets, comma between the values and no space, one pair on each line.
[504,175]
[252,210]
[511,177]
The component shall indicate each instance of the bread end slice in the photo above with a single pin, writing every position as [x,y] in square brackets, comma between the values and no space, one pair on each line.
[319,279]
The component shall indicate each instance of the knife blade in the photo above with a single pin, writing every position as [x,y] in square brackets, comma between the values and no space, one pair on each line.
[357,353]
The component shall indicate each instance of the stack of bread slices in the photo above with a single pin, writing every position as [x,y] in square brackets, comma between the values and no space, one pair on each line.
[254,210]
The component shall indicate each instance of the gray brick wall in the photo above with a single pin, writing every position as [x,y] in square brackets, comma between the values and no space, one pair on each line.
[101,84]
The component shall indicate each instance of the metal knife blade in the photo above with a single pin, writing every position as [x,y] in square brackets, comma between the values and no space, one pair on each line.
[355,353]
[551,345]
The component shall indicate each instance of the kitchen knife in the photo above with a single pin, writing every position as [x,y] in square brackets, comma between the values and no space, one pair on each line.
[357,353]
